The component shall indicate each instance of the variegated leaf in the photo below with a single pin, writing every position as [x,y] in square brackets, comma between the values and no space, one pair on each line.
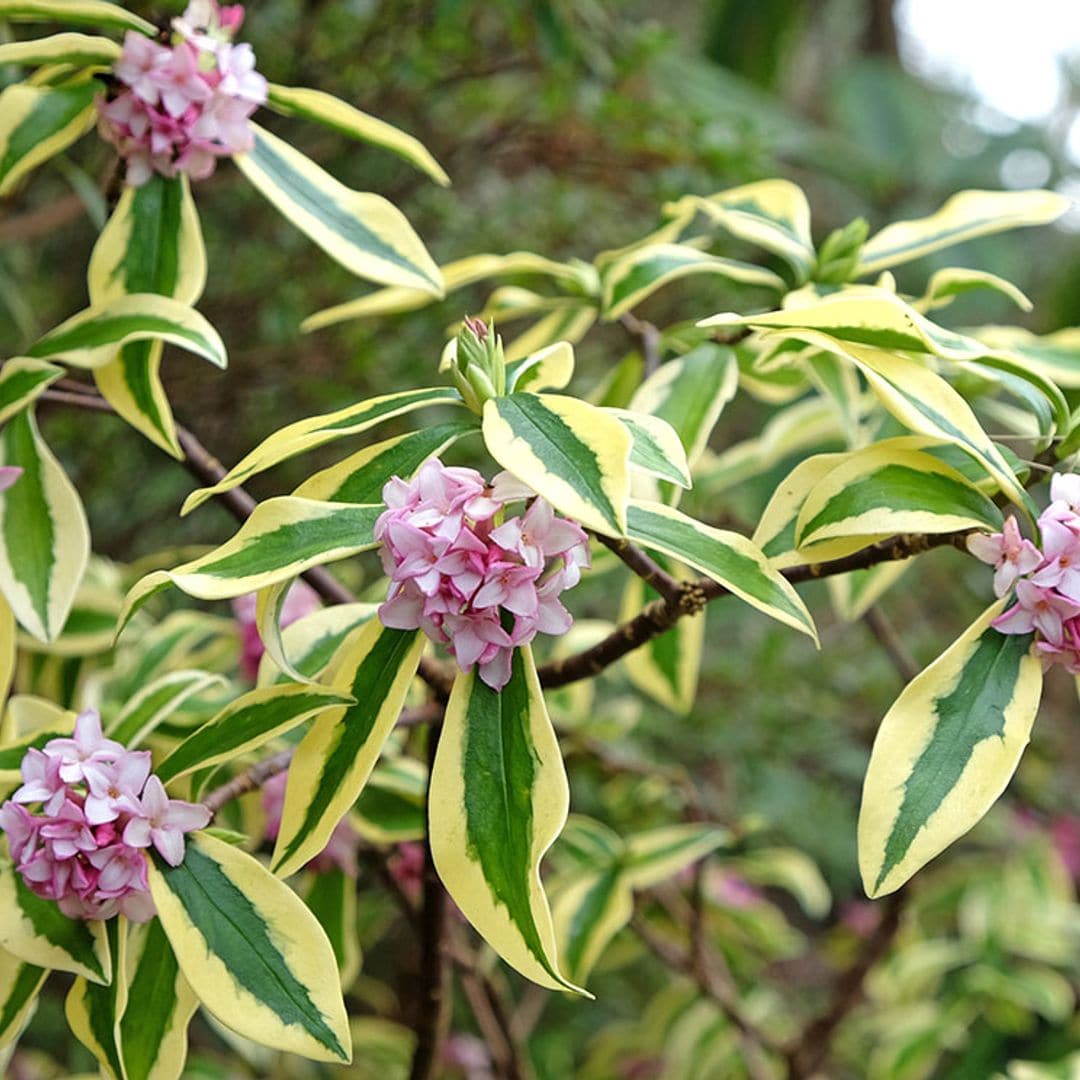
[39,122]
[316,431]
[44,537]
[587,913]
[963,217]
[659,854]
[309,645]
[331,898]
[93,1011]
[80,50]
[281,539]
[549,368]
[247,723]
[498,799]
[37,932]
[390,809]
[151,244]
[335,758]
[728,558]
[637,275]
[1055,356]
[657,449]
[946,285]
[153,1029]
[886,489]
[575,455]
[91,338]
[365,233]
[567,323]
[946,751]
[342,117]
[19,986]
[155,702]
[250,949]
[75,12]
[22,381]
[773,214]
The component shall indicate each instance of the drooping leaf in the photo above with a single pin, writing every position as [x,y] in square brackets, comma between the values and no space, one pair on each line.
[310,644]
[246,723]
[151,244]
[1055,356]
[342,117]
[572,453]
[728,558]
[335,758]
[366,233]
[946,750]
[80,50]
[37,932]
[252,952]
[962,217]
[39,122]
[44,538]
[946,285]
[316,431]
[498,799]
[587,913]
[19,986]
[153,1029]
[91,338]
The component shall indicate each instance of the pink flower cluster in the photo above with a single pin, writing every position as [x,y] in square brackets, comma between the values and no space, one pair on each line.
[183,106]
[462,578]
[1047,582]
[99,808]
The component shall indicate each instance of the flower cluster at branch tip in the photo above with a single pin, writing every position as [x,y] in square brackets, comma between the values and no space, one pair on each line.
[300,600]
[184,105]
[1047,582]
[477,587]
[340,850]
[98,808]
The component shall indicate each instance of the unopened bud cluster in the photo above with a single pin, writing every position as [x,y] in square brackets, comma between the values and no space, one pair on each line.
[98,808]
[477,364]
[477,587]
[186,104]
[1047,581]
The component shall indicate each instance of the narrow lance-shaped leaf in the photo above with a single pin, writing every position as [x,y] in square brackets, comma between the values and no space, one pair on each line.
[335,758]
[659,854]
[498,799]
[154,703]
[342,117]
[19,986]
[75,12]
[573,454]
[885,490]
[248,722]
[656,449]
[946,285]
[282,538]
[311,644]
[93,1011]
[38,932]
[946,751]
[44,537]
[153,1029]
[963,217]
[22,381]
[728,558]
[549,368]
[151,244]
[81,50]
[316,431]
[567,324]
[91,338]
[366,233]
[331,898]
[252,952]
[39,122]
[637,275]
[587,913]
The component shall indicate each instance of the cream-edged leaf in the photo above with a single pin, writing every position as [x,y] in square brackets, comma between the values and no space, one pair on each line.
[93,1011]
[81,50]
[22,381]
[76,12]
[498,800]
[657,449]
[946,751]
[19,986]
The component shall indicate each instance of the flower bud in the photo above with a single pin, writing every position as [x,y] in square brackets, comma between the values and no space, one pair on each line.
[478,366]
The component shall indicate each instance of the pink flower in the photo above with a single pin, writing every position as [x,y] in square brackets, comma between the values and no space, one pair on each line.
[1008,551]
[478,588]
[114,786]
[139,64]
[1040,609]
[87,744]
[8,475]
[162,821]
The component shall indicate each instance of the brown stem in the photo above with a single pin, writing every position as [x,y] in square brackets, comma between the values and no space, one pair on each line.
[649,337]
[882,628]
[248,780]
[433,1019]
[811,1050]
[649,571]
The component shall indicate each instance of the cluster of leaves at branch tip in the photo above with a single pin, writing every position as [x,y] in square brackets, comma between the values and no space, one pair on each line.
[477,365]
[838,256]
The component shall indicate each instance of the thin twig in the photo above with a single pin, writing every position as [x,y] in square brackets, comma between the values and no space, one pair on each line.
[250,779]
[882,628]
[647,569]
[649,337]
